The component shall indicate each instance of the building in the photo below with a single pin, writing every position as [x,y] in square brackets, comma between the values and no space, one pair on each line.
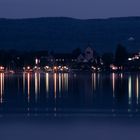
[62,59]
[87,56]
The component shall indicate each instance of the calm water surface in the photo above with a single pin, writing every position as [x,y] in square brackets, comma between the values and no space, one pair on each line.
[93,93]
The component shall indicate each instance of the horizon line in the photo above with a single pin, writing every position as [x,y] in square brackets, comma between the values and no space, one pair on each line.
[67,17]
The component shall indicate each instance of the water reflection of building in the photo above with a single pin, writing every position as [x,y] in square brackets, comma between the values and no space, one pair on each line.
[28,86]
[113,84]
[47,84]
[1,87]
[60,84]
[55,85]
[131,94]
[137,89]
[129,90]
[24,78]
[37,85]
[94,81]
[66,81]
[119,92]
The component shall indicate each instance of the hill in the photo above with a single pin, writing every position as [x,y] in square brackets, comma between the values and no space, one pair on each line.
[64,34]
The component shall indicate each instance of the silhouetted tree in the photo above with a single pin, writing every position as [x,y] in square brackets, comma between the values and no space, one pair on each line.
[76,51]
[108,59]
[120,55]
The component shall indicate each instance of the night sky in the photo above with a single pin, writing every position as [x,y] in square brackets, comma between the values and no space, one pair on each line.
[69,8]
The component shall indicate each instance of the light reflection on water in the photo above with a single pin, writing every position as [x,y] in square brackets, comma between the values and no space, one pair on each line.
[113,84]
[95,91]
[130,89]
[47,83]
[28,87]
[137,89]
[1,87]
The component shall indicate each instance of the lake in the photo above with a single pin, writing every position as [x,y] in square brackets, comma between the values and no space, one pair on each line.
[110,94]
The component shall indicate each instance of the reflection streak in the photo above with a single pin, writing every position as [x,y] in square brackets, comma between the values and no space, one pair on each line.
[28,86]
[60,83]
[36,86]
[113,84]
[94,77]
[66,81]
[55,86]
[47,82]
[130,89]
[39,82]
[23,82]
[137,89]
[1,87]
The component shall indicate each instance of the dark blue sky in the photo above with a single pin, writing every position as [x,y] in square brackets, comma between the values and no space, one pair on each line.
[70,8]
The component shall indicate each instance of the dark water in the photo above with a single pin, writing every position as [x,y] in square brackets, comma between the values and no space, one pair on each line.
[83,93]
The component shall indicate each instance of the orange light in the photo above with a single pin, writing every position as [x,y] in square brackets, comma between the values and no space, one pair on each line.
[55,68]
[1,68]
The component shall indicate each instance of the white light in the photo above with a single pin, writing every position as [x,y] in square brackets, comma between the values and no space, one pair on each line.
[113,67]
[36,61]
[47,67]
[129,59]
[93,68]
[136,57]
[1,68]
[28,67]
